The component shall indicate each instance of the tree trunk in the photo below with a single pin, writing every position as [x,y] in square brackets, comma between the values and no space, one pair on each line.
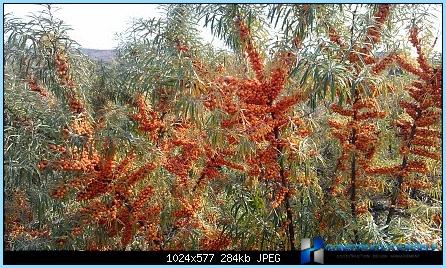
[289,213]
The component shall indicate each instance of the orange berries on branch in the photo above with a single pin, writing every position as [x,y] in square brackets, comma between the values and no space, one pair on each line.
[181,164]
[75,104]
[361,208]
[215,241]
[147,119]
[335,37]
[374,32]
[63,70]
[280,196]
[34,86]
[422,61]
[253,55]
[339,110]
[383,63]
[358,137]
[419,137]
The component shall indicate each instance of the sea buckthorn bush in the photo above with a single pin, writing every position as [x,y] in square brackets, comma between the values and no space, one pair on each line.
[314,120]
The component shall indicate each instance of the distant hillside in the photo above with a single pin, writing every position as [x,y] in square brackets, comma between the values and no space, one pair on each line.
[100,54]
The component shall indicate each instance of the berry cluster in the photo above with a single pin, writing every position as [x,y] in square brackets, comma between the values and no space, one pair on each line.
[147,119]
[418,134]
[358,138]
[34,86]
[214,240]
[63,70]
[280,196]
[253,55]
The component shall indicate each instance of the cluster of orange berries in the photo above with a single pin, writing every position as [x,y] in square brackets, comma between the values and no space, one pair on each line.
[425,153]
[255,60]
[358,136]
[361,208]
[253,112]
[334,124]
[365,140]
[402,200]
[374,32]
[124,165]
[335,37]
[336,185]
[424,109]
[424,141]
[102,175]
[372,37]
[83,161]
[150,125]
[370,115]
[280,196]
[42,164]
[365,133]
[215,241]
[187,209]
[369,103]
[256,95]
[57,148]
[181,47]
[254,166]
[98,186]
[253,109]
[140,173]
[262,130]
[75,104]
[63,70]
[437,219]
[383,63]
[253,55]
[369,184]
[251,91]
[422,61]
[286,103]
[200,67]
[339,110]
[391,170]
[418,184]
[210,172]
[34,86]
[220,161]
[411,109]
[123,213]
[278,75]
[268,162]
[79,127]
[428,120]
[181,164]
[18,219]
[243,28]
[142,198]
[277,81]
[416,166]
[60,192]
[408,66]
[127,231]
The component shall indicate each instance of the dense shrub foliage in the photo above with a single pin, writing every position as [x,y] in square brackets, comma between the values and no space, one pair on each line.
[316,120]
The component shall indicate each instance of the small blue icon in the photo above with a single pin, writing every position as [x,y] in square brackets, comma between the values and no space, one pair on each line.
[306,249]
